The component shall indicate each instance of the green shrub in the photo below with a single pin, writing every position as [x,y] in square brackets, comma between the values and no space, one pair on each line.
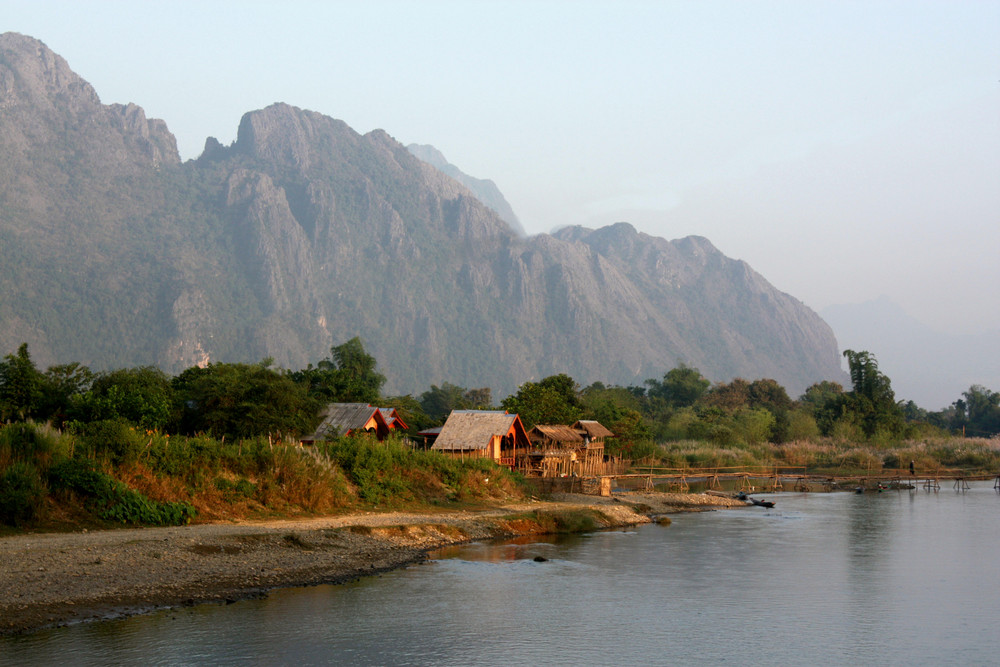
[645,450]
[132,507]
[113,439]
[21,494]
[112,500]
[802,426]
[33,443]
[563,521]
[392,472]
[374,467]
[241,488]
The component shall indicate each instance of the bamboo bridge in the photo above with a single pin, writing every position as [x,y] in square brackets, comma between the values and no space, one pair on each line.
[796,478]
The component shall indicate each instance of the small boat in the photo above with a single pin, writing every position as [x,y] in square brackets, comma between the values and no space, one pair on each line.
[762,503]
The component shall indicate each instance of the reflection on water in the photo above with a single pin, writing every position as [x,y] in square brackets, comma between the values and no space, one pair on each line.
[898,577]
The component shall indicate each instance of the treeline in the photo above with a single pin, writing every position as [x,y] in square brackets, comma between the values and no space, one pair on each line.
[136,446]
[238,400]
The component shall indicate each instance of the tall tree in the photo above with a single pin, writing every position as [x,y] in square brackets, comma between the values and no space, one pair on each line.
[982,411]
[142,396]
[360,381]
[347,376]
[731,396]
[438,402]
[20,386]
[553,400]
[824,401]
[62,385]
[243,400]
[872,400]
[681,386]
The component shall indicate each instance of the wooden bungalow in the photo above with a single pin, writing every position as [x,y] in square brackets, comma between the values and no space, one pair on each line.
[393,419]
[483,433]
[340,419]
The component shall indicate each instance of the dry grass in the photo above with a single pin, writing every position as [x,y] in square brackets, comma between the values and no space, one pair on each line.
[841,455]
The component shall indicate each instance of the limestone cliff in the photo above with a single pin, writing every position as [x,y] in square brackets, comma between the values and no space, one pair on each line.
[304,233]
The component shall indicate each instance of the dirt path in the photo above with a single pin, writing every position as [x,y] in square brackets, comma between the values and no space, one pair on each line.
[58,578]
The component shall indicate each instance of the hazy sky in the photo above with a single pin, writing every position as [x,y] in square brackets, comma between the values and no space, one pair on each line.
[843,149]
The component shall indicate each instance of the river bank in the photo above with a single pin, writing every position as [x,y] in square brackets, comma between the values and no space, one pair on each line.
[60,578]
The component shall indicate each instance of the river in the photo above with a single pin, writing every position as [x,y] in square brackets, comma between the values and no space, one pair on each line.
[899,577]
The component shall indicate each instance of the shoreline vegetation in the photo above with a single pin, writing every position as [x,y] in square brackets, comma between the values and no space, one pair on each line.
[215,498]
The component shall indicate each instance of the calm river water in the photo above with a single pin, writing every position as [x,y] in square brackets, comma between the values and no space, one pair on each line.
[906,577]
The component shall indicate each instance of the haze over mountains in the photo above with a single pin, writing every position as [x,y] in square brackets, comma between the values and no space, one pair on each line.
[930,367]
[304,233]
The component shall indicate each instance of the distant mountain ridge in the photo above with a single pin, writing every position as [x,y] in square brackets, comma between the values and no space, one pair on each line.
[304,233]
[485,190]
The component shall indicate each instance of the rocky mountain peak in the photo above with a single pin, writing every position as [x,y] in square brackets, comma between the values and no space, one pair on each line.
[46,102]
[32,74]
[150,136]
[282,134]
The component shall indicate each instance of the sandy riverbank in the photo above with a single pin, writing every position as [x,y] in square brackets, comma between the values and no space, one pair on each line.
[58,578]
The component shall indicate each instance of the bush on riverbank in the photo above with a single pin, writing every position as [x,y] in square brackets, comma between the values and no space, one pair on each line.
[112,500]
[110,473]
[557,522]
[21,494]
[392,473]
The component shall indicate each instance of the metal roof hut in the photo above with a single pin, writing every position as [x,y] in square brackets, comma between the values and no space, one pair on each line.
[553,450]
[340,419]
[429,435]
[591,455]
[487,433]
[393,419]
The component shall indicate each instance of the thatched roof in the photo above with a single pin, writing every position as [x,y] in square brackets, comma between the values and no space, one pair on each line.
[593,429]
[339,418]
[468,430]
[557,433]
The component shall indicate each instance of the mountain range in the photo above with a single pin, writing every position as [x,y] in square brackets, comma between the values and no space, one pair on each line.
[304,233]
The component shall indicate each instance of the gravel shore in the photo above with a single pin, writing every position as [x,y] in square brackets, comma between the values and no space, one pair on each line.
[60,578]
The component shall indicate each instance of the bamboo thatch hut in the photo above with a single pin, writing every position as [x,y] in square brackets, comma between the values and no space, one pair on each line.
[591,454]
[490,433]
[553,450]
[553,436]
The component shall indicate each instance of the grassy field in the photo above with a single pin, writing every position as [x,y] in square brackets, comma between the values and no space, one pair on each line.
[973,456]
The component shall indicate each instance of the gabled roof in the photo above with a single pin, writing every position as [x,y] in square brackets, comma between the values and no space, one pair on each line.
[593,429]
[474,429]
[558,433]
[393,419]
[339,418]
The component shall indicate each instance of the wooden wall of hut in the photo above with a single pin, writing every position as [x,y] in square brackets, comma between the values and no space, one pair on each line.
[591,464]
